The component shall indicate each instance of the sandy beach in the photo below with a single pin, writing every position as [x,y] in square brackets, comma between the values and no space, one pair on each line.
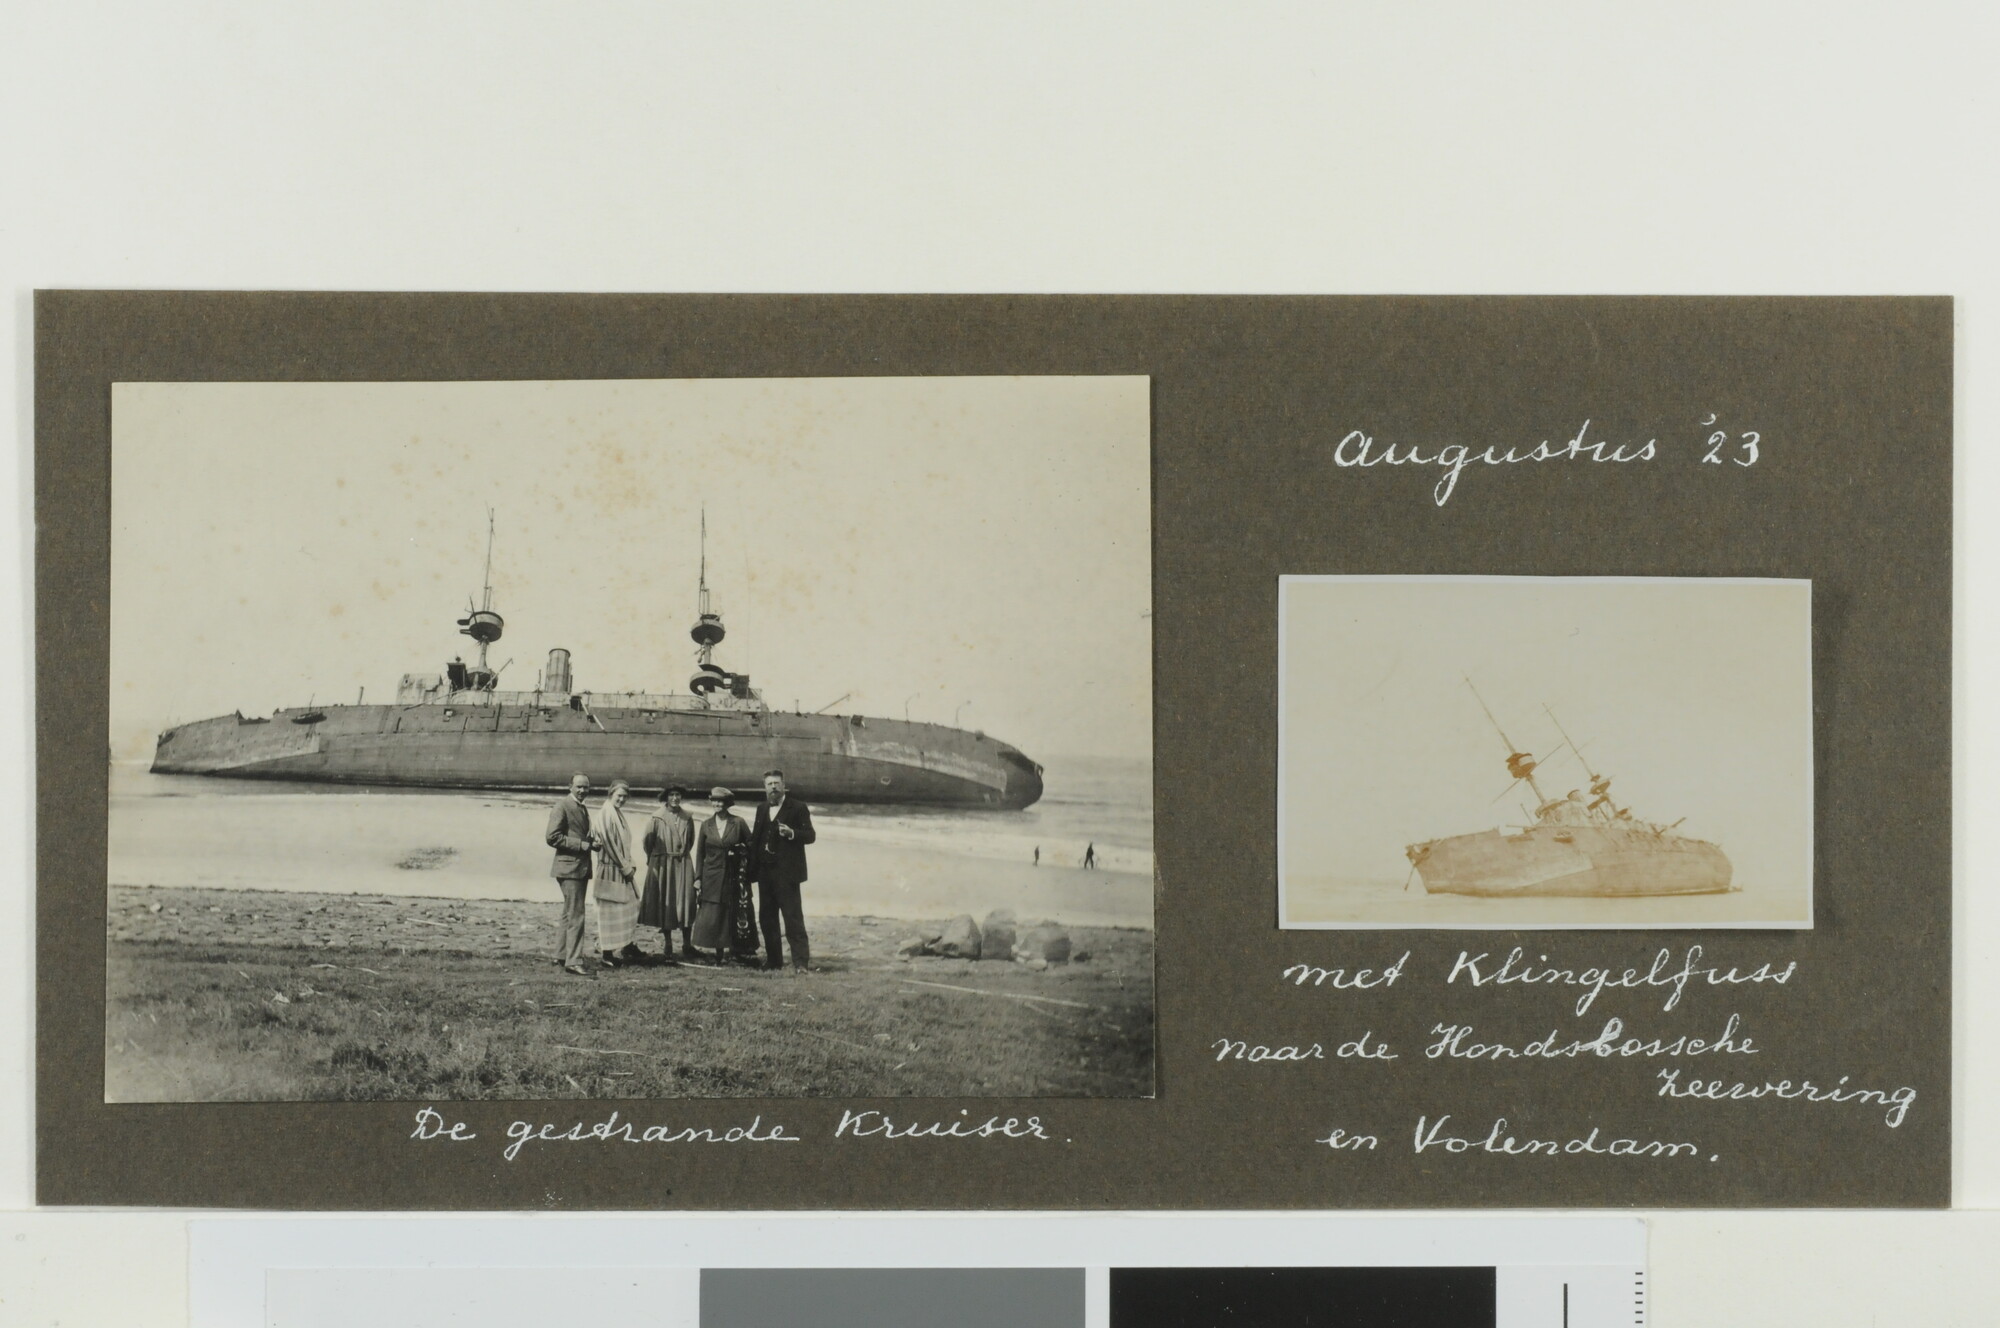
[231,994]
[286,942]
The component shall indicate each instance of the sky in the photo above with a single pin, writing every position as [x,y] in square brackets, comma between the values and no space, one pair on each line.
[1694,695]
[969,550]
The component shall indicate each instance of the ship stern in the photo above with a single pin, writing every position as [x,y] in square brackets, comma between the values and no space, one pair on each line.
[1024,780]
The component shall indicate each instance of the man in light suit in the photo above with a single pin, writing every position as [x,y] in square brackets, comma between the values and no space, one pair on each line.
[778,863]
[569,835]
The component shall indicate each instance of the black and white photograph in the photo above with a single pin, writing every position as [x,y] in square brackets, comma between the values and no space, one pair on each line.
[621,739]
[1545,752]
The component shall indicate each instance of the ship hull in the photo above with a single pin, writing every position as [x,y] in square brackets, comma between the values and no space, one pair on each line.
[826,758]
[1580,861]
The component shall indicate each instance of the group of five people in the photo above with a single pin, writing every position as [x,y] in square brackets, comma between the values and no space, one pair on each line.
[698,877]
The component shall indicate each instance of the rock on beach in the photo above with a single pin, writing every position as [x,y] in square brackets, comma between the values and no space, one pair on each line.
[961,939]
[1044,941]
[996,935]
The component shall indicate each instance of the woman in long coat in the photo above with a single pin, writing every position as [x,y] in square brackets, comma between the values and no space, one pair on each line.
[722,877]
[669,899]
[617,898]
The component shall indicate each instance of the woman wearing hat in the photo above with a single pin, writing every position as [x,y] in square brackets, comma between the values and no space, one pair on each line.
[669,899]
[722,880]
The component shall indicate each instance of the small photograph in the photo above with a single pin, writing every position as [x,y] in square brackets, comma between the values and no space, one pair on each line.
[690,739]
[1514,752]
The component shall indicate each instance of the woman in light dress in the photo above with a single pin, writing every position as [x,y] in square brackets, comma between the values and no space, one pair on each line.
[617,897]
[669,899]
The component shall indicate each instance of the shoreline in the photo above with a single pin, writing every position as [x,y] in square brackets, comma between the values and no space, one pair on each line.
[302,919]
[404,853]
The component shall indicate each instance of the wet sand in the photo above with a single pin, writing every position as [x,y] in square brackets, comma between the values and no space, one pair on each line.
[417,925]
[471,848]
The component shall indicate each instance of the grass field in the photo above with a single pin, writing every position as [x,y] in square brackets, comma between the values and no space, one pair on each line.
[231,995]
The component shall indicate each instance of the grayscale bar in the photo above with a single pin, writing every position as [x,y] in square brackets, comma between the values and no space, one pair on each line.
[891,1297]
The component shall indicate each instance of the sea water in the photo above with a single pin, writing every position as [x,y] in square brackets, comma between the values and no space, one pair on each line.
[910,862]
[1087,803]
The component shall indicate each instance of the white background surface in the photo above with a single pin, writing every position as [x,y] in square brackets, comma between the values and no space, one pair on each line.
[645,1270]
[1449,147]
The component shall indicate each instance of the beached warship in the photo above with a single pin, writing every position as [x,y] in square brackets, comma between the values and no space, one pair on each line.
[1578,845]
[459,730]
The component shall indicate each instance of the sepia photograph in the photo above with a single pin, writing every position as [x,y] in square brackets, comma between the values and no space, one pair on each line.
[624,739]
[1514,752]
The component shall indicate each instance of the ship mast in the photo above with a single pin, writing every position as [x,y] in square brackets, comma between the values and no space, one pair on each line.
[486,600]
[482,625]
[702,594]
[1600,785]
[707,631]
[1520,764]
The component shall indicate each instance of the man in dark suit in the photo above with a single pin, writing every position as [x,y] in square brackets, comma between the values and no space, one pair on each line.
[784,828]
[569,835]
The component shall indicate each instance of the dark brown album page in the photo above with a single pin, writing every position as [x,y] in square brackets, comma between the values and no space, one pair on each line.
[961,752]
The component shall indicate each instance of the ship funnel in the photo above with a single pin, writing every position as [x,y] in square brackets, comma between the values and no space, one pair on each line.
[555,678]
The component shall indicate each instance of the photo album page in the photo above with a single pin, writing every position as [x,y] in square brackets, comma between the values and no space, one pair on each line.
[953,752]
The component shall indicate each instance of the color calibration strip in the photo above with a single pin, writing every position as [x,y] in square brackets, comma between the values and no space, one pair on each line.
[1587,1296]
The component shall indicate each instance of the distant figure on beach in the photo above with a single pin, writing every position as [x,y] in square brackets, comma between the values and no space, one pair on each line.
[1090,856]
[569,835]
[669,899]
[722,878]
[617,895]
[1038,855]
[784,828]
